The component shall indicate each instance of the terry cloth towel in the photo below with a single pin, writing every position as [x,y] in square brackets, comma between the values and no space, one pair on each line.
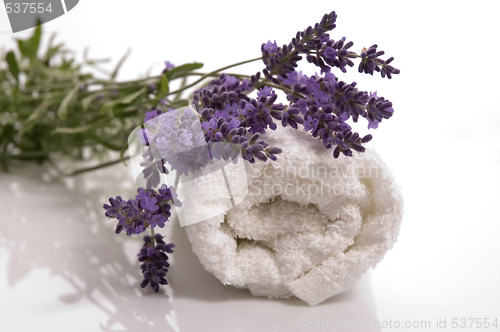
[310,226]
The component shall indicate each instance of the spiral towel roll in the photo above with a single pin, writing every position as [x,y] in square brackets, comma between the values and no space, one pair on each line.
[310,226]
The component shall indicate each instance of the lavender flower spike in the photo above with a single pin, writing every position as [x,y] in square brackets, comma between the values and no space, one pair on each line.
[154,261]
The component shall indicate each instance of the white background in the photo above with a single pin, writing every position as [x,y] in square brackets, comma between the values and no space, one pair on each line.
[442,145]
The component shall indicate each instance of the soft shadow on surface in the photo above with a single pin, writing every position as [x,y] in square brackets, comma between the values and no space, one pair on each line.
[61,226]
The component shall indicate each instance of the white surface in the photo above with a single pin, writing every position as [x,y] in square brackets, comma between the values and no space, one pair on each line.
[63,269]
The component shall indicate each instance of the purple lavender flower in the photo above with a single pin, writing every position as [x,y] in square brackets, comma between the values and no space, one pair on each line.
[210,128]
[232,122]
[333,54]
[350,100]
[231,81]
[265,92]
[169,65]
[169,194]
[284,60]
[159,219]
[270,47]
[387,70]
[370,62]
[258,115]
[185,137]
[347,140]
[272,152]
[223,90]
[154,261]
[230,110]
[219,128]
[323,105]
[294,78]
[225,109]
[377,109]
[373,125]
[291,117]
[152,114]
[147,200]
[129,217]
[330,53]
[310,123]
[249,111]
[162,143]
[117,209]
[321,51]
[247,84]
[169,138]
[148,209]
[252,149]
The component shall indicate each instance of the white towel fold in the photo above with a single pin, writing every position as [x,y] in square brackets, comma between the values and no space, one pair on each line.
[310,226]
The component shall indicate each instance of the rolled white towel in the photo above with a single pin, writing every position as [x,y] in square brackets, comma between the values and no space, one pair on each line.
[310,226]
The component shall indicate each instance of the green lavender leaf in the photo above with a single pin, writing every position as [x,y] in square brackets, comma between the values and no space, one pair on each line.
[89,99]
[32,119]
[179,103]
[51,50]
[54,73]
[75,130]
[82,129]
[62,112]
[23,48]
[164,90]
[29,47]
[108,107]
[34,41]
[13,67]
[119,64]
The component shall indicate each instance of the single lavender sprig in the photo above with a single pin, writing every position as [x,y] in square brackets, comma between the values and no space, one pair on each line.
[154,261]
[148,210]
[322,52]
[334,54]
[378,108]
[222,91]
[280,61]
[370,61]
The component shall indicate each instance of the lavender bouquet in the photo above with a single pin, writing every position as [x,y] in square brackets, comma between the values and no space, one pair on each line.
[181,139]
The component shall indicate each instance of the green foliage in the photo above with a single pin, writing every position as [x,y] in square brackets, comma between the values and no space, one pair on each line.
[13,66]
[48,105]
